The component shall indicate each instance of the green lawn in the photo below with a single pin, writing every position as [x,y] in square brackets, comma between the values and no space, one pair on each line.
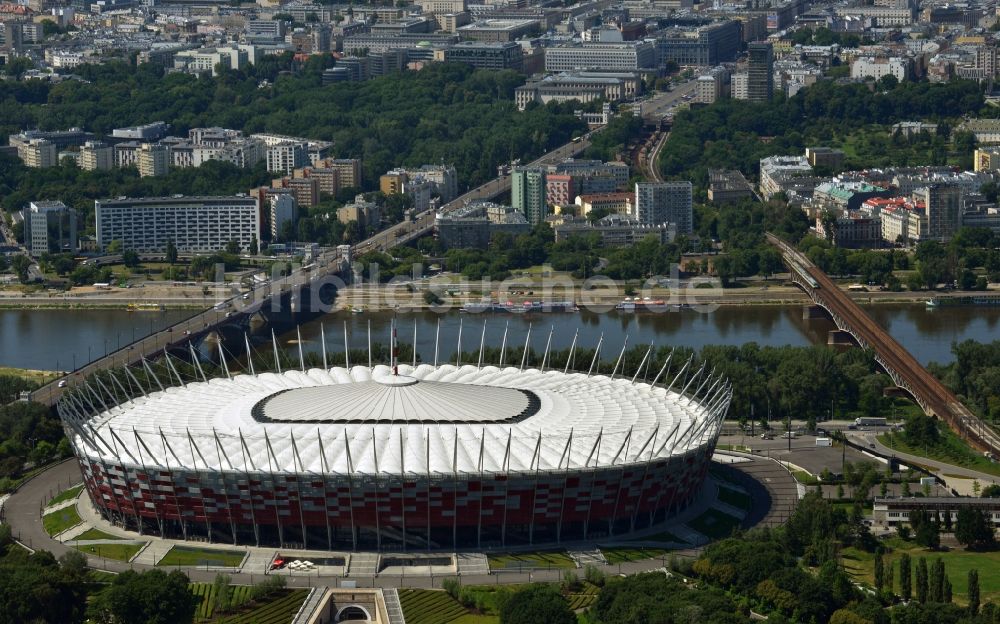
[622,555]
[119,552]
[97,534]
[431,606]
[957,563]
[189,556]
[238,596]
[950,449]
[734,498]
[804,477]
[100,576]
[278,610]
[58,521]
[714,524]
[532,560]
[65,496]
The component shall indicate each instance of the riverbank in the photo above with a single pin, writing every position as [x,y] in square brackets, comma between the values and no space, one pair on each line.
[30,374]
[370,298]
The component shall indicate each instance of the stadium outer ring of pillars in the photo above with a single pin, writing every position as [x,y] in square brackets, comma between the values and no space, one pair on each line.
[397,458]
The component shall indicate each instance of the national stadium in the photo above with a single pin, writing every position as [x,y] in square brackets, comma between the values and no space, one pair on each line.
[396,457]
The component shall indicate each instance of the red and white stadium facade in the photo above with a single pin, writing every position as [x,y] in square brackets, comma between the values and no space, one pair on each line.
[396,457]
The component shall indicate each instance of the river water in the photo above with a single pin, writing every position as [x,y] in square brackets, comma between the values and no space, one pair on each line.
[54,339]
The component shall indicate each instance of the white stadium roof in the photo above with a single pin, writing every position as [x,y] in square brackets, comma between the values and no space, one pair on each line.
[439,420]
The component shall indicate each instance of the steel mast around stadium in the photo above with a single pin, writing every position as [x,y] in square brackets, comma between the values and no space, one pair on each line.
[129,489]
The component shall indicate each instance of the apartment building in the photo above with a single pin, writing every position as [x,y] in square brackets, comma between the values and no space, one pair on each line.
[527,188]
[665,202]
[96,156]
[153,160]
[282,208]
[38,153]
[194,224]
[287,156]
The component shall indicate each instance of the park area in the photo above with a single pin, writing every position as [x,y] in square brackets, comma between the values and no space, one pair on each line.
[189,556]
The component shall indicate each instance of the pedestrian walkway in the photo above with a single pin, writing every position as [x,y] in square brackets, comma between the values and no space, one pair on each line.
[363,564]
[73,532]
[312,602]
[392,606]
[584,558]
[472,563]
[60,505]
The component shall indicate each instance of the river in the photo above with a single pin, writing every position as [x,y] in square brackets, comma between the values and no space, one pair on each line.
[54,339]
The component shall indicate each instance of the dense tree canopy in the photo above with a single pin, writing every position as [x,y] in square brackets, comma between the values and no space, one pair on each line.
[538,603]
[151,597]
[445,112]
[728,133]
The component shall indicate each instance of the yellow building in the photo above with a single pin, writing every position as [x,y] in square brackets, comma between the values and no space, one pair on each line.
[392,182]
[987,158]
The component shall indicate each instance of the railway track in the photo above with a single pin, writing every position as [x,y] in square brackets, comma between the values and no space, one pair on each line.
[932,395]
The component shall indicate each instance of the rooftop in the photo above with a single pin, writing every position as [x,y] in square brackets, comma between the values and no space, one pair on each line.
[442,420]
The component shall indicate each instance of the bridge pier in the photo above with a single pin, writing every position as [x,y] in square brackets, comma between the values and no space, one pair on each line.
[813,311]
[840,338]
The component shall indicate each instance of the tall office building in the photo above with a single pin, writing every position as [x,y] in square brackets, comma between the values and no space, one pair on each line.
[49,227]
[665,202]
[527,193]
[760,72]
[194,224]
[943,205]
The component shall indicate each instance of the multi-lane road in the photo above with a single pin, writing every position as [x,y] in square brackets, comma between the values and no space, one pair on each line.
[424,222]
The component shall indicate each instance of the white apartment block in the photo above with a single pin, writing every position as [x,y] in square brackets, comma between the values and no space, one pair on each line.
[283,209]
[317,150]
[205,59]
[871,67]
[194,224]
[287,157]
[740,86]
[665,202]
[628,56]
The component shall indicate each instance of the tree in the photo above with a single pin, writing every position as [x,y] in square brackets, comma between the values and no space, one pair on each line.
[922,580]
[254,247]
[973,529]
[220,592]
[130,258]
[905,586]
[20,266]
[936,583]
[233,247]
[990,491]
[171,252]
[973,592]
[879,572]
[151,597]
[538,603]
[114,247]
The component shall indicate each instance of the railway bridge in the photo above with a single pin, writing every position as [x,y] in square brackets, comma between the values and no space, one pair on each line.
[905,371]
